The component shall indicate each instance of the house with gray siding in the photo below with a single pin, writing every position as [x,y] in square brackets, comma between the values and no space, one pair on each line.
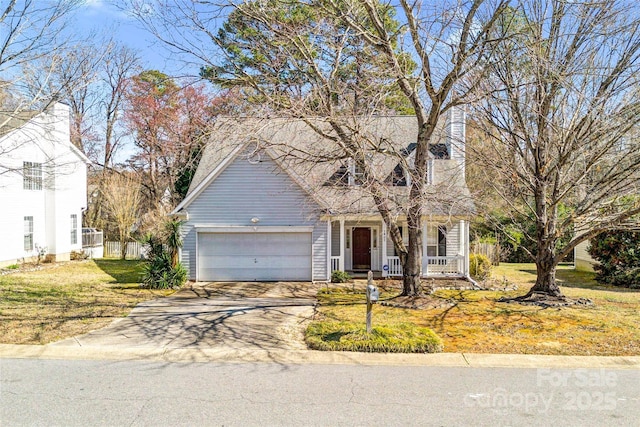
[280,199]
[582,259]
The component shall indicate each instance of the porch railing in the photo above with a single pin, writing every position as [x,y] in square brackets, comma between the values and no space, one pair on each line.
[91,239]
[444,265]
[395,268]
[335,263]
[436,265]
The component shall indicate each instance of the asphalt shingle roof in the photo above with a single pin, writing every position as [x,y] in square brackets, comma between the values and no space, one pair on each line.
[312,159]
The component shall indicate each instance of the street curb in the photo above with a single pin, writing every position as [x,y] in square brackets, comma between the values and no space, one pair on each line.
[279,356]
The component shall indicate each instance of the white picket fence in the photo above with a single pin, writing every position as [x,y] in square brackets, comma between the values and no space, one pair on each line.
[112,250]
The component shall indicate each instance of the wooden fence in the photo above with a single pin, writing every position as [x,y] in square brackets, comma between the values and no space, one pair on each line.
[112,250]
[490,250]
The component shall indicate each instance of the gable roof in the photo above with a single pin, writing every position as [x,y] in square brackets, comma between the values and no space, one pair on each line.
[293,142]
[12,121]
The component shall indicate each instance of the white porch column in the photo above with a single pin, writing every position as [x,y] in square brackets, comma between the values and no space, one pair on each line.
[329,250]
[425,259]
[425,264]
[341,244]
[383,242]
[467,245]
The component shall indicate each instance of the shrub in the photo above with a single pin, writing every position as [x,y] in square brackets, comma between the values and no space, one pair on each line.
[479,266]
[348,336]
[78,256]
[41,253]
[159,271]
[618,255]
[12,267]
[339,276]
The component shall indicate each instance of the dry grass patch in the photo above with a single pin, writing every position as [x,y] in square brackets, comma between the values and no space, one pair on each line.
[474,321]
[68,299]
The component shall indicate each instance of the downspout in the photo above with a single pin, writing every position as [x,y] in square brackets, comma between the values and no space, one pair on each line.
[473,282]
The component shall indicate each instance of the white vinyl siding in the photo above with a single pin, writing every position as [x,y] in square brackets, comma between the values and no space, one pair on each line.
[335,238]
[453,239]
[262,190]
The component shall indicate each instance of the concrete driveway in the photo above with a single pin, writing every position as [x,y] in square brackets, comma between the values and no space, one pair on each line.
[237,316]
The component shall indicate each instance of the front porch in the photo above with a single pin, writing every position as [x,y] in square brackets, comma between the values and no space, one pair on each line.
[360,245]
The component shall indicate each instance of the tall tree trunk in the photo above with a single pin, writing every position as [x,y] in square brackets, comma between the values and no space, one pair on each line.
[546,270]
[123,247]
[412,266]
[546,221]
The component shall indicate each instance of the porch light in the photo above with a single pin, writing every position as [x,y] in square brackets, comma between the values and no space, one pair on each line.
[255,220]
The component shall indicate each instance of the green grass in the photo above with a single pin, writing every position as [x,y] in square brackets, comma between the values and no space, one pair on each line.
[68,299]
[350,336]
[474,321]
[332,333]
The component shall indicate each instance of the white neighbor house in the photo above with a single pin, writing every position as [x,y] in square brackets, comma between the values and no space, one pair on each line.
[43,186]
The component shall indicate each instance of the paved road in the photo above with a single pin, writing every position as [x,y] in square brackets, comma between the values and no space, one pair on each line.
[130,393]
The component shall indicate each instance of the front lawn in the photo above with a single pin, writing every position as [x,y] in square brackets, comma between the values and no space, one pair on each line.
[474,322]
[67,299]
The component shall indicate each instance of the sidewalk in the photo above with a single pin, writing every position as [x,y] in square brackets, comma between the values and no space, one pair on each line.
[233,355]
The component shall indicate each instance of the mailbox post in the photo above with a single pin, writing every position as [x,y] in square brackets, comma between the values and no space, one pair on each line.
[372,297]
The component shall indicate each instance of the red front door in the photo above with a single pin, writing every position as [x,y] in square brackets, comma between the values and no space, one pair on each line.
[361,248]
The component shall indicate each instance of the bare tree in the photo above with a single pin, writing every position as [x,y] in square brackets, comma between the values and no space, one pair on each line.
[92,80]
[120,65]
[343,61]
[563,122]
[122,201]
[30,32]
[34,37]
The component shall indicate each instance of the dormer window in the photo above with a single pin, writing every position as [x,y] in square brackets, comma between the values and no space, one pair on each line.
[339,177]
[440,151]
[356,173]
[347,174]
[398,177]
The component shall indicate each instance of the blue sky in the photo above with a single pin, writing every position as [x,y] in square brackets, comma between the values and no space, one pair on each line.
[104,18]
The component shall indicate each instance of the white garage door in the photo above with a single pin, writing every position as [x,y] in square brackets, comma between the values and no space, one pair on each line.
[254,256]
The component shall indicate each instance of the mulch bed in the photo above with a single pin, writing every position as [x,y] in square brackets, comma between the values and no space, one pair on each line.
[544,300]
[420,302]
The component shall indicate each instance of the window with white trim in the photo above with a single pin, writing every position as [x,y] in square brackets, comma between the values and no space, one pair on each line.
[356,173]
[436,240]
[430,167]
[74,229]
[28,233]
[31,176]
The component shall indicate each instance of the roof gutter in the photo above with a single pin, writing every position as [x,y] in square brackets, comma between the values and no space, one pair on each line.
[183,215]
